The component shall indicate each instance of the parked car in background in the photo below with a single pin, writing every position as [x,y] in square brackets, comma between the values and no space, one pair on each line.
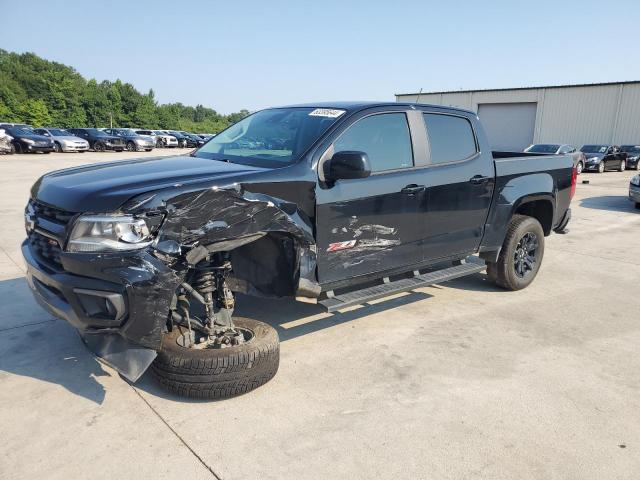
[99,140]
[170,141]
[183,142]
[634,191]
[160,139]
[63,141]
[6,147]
[550,148]
[133,141]
[559,149]
[633,156]
[206,136]
[197,140]
[26,140]
[604,157]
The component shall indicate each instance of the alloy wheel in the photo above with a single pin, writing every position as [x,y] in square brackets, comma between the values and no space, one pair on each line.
[525,255]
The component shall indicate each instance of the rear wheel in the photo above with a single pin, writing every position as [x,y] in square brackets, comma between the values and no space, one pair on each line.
[214,373]
[99,147]
[131,147]
[579,168]
[521,254]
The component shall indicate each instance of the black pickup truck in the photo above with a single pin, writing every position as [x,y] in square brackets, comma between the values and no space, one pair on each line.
[335,204]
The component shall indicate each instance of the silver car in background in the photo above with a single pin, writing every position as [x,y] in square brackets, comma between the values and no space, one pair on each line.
[579,158]
[161,139]
[64,141]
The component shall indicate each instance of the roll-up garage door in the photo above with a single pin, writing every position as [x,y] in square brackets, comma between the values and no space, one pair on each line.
[509,126]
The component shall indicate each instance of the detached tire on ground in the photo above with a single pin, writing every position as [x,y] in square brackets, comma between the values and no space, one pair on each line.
[215,373]
[521,254]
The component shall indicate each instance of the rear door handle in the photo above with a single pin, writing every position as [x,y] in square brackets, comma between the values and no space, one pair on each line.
[412,189]
[478,179]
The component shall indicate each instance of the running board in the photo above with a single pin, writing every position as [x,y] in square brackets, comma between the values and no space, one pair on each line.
[469,266]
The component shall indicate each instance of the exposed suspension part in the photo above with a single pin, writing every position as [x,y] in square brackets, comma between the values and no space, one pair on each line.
[206,283]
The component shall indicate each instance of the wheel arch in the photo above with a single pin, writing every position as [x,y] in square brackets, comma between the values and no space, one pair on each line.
[542,209]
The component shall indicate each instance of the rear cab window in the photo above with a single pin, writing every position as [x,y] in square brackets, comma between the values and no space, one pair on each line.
[451,138]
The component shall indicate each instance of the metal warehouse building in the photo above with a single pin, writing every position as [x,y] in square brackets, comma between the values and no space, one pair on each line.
[575,114]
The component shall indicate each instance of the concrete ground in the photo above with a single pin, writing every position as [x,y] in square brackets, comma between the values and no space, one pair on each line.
[456,381]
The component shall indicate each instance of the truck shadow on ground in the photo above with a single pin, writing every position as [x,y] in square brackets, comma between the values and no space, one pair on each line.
[612,203]
[46,349]
[50,350]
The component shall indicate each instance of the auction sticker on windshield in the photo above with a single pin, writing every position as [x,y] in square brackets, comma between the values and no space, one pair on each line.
[326,112]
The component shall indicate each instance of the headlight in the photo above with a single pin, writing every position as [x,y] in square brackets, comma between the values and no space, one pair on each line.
[99,233]
[593,159]
[140,141]
[28,141]
[636,181]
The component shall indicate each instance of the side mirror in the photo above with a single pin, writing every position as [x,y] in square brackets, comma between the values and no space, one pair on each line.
[347,165]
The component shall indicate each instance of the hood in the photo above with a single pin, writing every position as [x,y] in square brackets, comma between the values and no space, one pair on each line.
[35,137]
[589,156]
[104,187]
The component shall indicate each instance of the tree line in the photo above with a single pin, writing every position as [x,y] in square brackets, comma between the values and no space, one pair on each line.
[44,93]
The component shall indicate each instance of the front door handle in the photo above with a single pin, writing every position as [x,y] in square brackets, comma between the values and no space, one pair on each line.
[412,189]
[478,179]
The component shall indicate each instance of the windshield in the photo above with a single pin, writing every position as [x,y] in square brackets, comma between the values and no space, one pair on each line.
[543,148]
[20,131]
[594,148]
[270,138]
[125,132]
[57,132]
[630,148]
[96,132]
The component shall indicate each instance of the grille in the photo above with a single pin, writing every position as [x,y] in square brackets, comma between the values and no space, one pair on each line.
[47,249]
[53,214]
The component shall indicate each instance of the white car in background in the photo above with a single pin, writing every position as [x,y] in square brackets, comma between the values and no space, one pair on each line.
[162,139]
[64,141]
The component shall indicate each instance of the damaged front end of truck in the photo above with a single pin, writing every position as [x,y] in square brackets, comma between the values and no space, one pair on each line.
[203,245]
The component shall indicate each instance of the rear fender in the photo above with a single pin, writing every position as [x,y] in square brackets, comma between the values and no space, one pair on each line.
[511,197]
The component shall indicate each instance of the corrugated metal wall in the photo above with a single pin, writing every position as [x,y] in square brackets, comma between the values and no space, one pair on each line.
[575,115]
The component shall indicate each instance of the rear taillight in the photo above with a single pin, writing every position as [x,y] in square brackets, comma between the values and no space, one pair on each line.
[574,181]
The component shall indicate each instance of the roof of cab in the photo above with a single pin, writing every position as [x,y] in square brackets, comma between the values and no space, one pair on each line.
[355,106]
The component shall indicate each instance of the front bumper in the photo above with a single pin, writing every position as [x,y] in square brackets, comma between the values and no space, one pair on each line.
[634,193]
[118,148]
[37,148]
[118,302]
[74,147]
[591,166]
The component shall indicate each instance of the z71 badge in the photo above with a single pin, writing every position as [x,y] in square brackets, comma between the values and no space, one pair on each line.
[336,247]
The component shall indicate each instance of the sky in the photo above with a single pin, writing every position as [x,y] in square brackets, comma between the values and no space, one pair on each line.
[254,54]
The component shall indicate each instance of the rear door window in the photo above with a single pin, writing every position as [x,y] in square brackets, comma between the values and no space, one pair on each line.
[451,138]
